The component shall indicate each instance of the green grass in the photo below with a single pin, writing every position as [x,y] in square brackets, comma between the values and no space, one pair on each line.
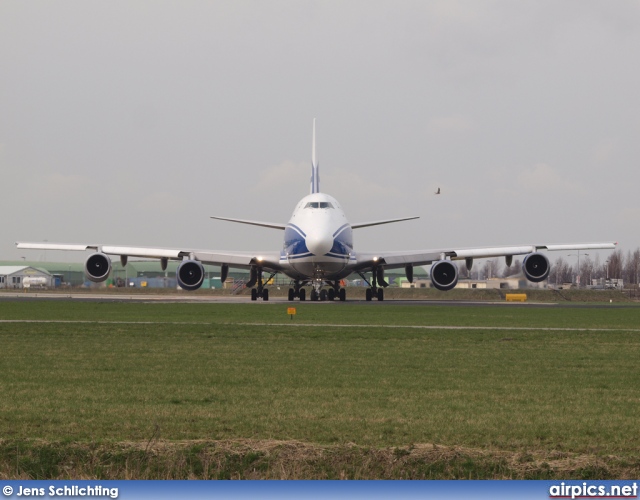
[604,316]
[211,376]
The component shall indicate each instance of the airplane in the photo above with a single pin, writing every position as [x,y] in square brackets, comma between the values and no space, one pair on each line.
[318,250]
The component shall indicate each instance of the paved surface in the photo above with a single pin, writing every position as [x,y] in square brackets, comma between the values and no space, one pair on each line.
[186,297]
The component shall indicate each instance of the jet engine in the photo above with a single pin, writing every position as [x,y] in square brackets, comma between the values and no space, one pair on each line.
[444,275]
[97,267]
[190,275]
[536,267]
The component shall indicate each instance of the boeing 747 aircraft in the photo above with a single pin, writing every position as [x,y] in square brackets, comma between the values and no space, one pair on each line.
[318,251]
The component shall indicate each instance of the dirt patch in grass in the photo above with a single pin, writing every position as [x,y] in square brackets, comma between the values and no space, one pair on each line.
[266,459]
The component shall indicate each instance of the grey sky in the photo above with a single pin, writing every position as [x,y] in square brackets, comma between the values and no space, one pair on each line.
[132,122]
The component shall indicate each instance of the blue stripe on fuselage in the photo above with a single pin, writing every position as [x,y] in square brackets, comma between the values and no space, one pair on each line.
[294,241]
[340,229]
[295,245]
[297,229]
[342,241]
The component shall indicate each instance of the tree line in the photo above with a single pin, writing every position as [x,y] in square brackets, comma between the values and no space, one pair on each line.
[617,265]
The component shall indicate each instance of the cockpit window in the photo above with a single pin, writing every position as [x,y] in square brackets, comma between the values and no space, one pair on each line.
[318,204]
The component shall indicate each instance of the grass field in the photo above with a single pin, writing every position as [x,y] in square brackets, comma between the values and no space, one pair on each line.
[111,390]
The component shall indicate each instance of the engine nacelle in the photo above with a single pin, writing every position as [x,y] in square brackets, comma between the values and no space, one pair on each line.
[97,267]
[535,267]
[190,275]
[444,275]
[224,272]
[380,276]
[253,277]
[408,269]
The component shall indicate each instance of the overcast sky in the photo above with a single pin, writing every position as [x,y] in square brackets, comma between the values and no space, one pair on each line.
[131,122]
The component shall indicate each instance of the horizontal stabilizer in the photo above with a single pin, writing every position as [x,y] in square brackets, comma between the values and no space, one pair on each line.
[272,225]
[379,222]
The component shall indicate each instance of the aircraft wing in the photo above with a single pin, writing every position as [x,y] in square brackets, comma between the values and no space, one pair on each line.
[242,260]
[394,260]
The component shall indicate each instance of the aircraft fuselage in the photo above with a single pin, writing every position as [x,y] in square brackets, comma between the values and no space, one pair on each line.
[318,240]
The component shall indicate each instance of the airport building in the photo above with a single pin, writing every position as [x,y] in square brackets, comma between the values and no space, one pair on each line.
[22,276]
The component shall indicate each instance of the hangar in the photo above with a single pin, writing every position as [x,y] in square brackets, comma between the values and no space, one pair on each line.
[24,277]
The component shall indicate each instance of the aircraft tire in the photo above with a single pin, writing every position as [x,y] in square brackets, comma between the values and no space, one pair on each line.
[254,294]
[331,294]
[292,294]
[323,295]
[368,294]
[380,294]
[265,294]
[303,295]
[343,295]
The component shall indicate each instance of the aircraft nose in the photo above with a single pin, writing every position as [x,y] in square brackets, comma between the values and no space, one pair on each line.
[319,244]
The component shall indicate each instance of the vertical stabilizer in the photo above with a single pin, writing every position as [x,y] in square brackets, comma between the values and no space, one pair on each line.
[315,174]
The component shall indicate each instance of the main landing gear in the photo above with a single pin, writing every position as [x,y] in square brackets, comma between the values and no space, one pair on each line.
[373,292]
[297,292]
[255,278]
[317,292]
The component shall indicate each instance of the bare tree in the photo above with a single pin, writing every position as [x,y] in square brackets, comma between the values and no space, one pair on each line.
[463,272]
[561,272]
[632,267]
[553,272]
[586,271]
[474,274]
[514,269]
[615,265]
[567,273]
[599,271]
[491,269]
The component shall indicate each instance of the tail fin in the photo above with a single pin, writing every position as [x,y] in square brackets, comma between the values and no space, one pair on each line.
[315,174]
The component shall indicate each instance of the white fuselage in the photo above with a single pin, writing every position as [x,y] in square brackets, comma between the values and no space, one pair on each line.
[318,240]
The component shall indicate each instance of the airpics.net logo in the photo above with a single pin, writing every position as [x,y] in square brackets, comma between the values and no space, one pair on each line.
[587,490]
